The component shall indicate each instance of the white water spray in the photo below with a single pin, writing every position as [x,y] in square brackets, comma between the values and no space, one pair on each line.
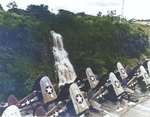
[65,70]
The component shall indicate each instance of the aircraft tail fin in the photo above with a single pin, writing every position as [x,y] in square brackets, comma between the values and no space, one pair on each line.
[40,112]
[122,71]
[116,84]
[78,100]
[148,66]
[12,100]
[119,90]
[11,111]
[92,78]
[145,75]
[47,89]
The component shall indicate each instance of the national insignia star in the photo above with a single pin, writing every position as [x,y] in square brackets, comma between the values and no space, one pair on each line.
[49,90]
[79,98]
[92,78]
[27,102]
[122,70]
[56,113]
[117,84]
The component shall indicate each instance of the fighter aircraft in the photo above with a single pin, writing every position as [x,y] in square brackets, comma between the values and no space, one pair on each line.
[105,85]
[123,108]
[102,87]
[76,106]
[122,71]
[134,77]
[11,111]
[103,80]
[112,92]
[146,77]
[92,78]
[36,98]
[98,84]
[119,91]
[146,65]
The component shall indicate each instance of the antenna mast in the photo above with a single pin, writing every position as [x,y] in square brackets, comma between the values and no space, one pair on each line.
[122,13]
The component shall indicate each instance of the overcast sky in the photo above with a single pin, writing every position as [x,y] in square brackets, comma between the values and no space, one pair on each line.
[138,9]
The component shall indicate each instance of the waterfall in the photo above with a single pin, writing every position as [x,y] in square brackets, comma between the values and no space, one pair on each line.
[63,67]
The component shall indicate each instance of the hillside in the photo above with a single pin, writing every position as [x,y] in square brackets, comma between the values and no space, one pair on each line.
[91,41]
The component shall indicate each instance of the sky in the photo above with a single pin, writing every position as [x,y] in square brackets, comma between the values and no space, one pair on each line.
[137,9]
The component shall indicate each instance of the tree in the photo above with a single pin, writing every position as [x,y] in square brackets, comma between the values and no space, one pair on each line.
[111,13]
[99,14]
[41,13]
[1,8]
[12,5]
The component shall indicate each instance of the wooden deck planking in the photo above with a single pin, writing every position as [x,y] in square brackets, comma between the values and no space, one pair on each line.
[140,109]
[134,112]
[146,103]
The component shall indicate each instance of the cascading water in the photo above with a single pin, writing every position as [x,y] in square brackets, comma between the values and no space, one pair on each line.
[64,68]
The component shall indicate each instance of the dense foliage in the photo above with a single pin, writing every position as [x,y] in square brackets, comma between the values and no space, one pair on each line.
[91,41]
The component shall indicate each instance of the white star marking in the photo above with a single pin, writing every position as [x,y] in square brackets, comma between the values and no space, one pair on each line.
[117,84]
[92,78]
[56,113]
[129,85]
[79,98]
[49,90]
[132,84]
[27,102]
[122,70]
[146,75]
[100,95]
